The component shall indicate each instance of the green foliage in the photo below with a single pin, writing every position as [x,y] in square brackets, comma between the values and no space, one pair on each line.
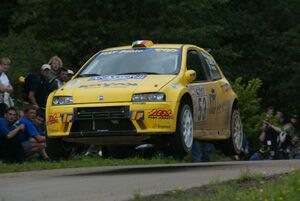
[249,39]
[249,106]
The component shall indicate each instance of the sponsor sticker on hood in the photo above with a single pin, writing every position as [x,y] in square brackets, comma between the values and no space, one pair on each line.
[117,77]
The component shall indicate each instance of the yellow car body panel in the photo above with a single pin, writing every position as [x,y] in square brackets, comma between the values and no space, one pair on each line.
[212,101]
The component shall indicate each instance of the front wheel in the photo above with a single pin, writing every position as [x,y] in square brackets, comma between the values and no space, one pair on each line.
[57,148]
[181,142]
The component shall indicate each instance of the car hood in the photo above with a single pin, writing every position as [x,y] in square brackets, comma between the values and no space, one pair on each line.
[112,88]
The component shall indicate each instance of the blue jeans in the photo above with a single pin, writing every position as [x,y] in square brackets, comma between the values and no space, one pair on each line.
[201,151]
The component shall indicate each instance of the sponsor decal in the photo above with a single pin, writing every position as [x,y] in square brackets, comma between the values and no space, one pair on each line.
[160,114]
[162,126]
[71,83]
[226,87]
[174,86]
[106,85]
[137,115]
[197,90]
[121,52]
[117,77]
[141,50]
[166,50]
[212,103]
[53,118]
[66,118]
[223,106]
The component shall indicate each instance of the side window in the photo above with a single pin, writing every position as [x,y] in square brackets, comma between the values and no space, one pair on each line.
[194,63]
[212,68]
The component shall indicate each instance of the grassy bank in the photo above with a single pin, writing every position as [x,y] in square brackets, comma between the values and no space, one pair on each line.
[248,188]
[80,161]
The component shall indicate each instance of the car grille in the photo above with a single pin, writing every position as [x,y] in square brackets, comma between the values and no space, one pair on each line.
[102,119]
[102,113]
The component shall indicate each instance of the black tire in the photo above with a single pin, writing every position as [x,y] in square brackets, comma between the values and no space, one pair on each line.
[117,151]
[233,146]
[182,140]
[56,148]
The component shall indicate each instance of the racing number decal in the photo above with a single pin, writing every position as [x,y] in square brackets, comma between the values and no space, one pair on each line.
[202,108]
[200,100]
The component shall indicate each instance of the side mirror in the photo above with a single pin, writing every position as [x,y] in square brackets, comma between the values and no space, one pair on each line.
[190,75]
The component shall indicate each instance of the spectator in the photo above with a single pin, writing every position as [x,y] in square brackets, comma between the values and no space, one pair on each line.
[60,80]
[280,117]
[295,147]
[201,151]
[70,74]
[295,136]
[40,89]
[284,142]
[56,63]
[32,142]
[5,87]
[262,154]
[270,130]
[10,147]
[295,122]
[39,123]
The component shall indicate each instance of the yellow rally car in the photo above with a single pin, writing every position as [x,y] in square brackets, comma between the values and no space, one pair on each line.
[165,94]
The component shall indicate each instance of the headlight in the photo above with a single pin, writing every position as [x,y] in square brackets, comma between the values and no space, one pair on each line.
[148,97]
[62,100]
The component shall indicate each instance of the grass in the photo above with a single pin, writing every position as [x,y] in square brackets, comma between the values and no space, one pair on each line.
[80,161]
[249,187]
[95,161]
[256,187]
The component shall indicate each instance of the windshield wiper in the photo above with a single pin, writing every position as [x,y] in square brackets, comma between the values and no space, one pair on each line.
[88,75]
[134,73]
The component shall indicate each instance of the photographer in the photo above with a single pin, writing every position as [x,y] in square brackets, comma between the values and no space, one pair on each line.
[268,137]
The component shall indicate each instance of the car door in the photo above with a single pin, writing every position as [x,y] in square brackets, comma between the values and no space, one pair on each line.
[219,91]
[202,91]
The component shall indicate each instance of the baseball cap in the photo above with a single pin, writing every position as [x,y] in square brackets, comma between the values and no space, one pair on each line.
[295,116]
[70,72]
[46,66]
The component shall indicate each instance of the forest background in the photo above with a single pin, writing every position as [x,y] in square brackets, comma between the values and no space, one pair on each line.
[256,43]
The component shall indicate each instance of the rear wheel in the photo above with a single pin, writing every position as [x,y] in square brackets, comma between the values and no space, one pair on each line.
[182,140]
[234,144]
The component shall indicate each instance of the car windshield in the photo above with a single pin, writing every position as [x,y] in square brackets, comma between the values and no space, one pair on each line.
[134,61]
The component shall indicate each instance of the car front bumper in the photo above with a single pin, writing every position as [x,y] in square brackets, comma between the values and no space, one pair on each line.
[111,119]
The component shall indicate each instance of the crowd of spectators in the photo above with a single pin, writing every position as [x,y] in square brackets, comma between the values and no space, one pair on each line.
[22,133]
[279,138]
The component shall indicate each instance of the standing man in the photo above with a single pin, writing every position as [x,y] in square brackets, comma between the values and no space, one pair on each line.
[5,86]
[10,147]
[70,74]
[40,89]
[61,79]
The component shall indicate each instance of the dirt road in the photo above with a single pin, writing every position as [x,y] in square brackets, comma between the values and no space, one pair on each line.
[123,182]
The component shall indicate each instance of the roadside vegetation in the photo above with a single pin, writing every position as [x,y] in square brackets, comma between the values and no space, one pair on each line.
[249,187]
[97,161]
[80,161]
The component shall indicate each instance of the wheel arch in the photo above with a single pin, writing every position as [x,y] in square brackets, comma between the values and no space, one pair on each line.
[232,107]
[185,98]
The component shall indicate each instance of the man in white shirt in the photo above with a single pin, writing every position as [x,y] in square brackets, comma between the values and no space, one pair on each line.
[5,86]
